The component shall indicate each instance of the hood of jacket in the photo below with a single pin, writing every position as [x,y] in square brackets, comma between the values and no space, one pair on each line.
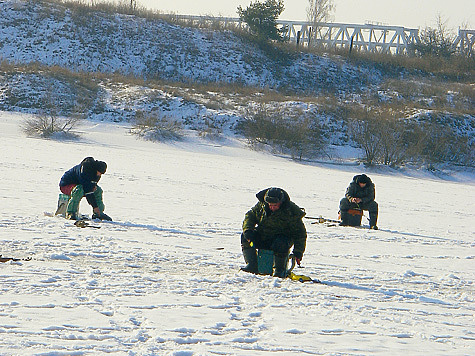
[362,178]
[262,193]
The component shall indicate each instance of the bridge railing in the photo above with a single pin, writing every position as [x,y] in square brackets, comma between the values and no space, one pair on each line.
[465,42]
[367,37]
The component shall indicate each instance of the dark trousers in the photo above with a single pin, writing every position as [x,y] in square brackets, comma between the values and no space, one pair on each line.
[279,244]
[371,207]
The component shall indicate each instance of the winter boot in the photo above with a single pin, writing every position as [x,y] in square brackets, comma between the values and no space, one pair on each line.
[280,265]
[72,216]
[250,257]
[373,219]
[101,216]
[345,218]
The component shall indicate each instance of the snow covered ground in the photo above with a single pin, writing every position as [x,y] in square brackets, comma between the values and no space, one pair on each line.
[163,278]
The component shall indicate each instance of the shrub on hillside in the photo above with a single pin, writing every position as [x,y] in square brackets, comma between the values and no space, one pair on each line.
[48,122]
[211,128]
[367,136]
[433,143]
[286,132]
[49,125]
[154,127]
[387,140]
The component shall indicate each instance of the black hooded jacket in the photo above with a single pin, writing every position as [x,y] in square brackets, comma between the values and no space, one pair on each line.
[366,194]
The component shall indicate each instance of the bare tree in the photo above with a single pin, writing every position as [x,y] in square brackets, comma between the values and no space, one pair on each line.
[319,11]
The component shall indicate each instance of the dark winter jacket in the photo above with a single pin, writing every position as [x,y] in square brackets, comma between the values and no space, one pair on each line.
[287,221]
[84,174]
[366,194]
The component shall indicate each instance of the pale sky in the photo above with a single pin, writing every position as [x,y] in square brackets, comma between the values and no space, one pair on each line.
[407,13]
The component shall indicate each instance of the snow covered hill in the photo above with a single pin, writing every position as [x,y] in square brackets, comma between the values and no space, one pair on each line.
[92,41]
[163,278]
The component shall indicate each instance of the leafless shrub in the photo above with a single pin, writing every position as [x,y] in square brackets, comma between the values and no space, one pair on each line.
[212,129]
[366,134]
[49,125]
[286,132]
[381,135]
[304,138]
[433,143]
[389,140]
[48,122]
[154,127]
[392,141]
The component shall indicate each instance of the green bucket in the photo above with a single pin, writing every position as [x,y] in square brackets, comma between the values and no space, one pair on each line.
[265,261]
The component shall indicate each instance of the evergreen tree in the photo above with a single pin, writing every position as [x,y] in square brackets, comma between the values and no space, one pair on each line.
[262,19]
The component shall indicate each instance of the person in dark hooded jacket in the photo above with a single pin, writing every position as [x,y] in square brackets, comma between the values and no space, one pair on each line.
[360,194]
[274,223]
[81,181]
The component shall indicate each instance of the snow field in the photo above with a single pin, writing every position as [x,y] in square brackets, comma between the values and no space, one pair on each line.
[163,278]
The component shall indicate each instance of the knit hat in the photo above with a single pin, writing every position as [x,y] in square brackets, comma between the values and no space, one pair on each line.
[274,196]
[100,166]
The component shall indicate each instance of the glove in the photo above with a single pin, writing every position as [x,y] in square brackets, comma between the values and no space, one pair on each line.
[250,235]
[298,257]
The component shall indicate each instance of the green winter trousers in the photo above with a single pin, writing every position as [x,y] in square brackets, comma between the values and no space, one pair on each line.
[77,194]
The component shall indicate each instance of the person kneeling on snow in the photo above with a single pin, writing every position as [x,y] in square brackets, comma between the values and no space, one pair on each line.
[360,195]
[81,181]
[274,223]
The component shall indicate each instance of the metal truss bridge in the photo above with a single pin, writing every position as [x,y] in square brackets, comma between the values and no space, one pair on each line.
[368,37]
